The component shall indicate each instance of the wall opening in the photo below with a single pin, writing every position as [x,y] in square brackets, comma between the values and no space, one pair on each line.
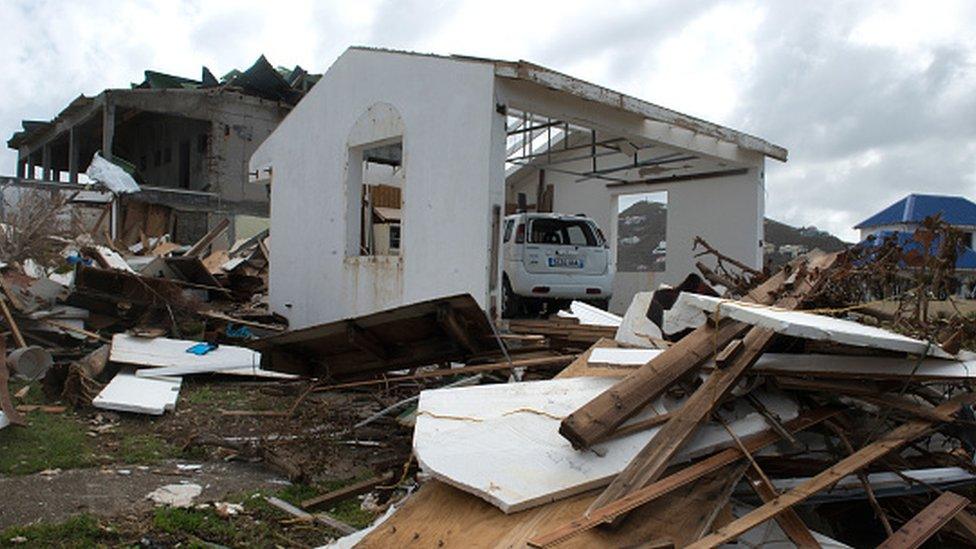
[642,238]
[376,180]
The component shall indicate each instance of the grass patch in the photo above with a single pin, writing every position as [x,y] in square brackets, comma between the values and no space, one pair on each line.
[214,394]
[199,523]
[80,531]
[144,449]
[51,441]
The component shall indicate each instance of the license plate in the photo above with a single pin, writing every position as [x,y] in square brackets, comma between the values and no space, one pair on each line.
[573,262]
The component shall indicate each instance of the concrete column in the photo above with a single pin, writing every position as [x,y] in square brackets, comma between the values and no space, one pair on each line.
[108,127]
[21,167]
[31,166]
[73,155]
[46,162]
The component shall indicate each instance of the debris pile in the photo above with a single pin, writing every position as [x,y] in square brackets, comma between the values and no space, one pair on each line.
[740,405]
[767,417]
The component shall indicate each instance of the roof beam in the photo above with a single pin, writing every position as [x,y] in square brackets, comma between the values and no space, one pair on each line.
[613,120]
[553,80]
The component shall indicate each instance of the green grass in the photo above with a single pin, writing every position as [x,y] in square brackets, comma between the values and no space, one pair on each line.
[144,449]
[80,531]
[199,523]
[51,441]
[214,394]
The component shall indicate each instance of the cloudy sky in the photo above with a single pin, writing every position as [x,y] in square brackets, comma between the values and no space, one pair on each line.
[872,99]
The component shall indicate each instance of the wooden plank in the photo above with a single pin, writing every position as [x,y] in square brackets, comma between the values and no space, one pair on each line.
[347,492]
[789,521]
[609,410]
[867,394]
[201,245]
[439,515]
[14,329]
[365,341]
[336,525]
[649,464]
[455,329]
[865,456]
[676,480]
[728,353]
[926,523]
[549,361]
[605,413]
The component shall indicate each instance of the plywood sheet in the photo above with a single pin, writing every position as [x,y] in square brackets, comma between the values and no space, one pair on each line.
[441,516]
[501,442]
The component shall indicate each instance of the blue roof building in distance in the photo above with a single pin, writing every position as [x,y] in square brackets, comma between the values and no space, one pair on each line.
[914,208]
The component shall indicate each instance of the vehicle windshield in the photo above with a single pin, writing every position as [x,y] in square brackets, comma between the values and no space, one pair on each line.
[569,232]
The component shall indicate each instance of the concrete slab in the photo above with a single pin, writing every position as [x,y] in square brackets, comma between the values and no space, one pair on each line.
[501,442]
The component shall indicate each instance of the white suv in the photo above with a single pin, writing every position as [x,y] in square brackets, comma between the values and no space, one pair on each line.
[550,259]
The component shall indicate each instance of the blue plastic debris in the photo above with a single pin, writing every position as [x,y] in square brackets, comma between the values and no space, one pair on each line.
[238,331]
[202,348]
[75,259]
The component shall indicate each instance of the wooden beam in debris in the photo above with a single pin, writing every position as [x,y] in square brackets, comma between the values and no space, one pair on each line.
[201,245]
[649,464]
[678,479]
[789,521]
[14,329]
[602,415]
[453,326]
[927,522]
[347,492]
[365,341]
[547,361]
[322,518]
[862,458]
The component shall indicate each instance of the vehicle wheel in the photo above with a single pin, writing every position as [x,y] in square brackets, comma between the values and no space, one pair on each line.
[511,303]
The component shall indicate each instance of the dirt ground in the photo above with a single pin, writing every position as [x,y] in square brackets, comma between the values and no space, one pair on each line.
[111,491]
[88,471]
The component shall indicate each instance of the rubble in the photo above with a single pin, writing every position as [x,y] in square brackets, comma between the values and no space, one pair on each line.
[768,413]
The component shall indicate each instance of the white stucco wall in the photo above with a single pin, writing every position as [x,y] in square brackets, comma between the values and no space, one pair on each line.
[448,115]
[727,212]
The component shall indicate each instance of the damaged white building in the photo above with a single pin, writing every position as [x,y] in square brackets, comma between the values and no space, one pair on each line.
[392,177]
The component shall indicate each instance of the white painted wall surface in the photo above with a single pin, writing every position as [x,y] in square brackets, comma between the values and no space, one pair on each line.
[727,212]
[448,114]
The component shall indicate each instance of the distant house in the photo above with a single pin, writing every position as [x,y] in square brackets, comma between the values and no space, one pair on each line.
[900,220]
[909,212]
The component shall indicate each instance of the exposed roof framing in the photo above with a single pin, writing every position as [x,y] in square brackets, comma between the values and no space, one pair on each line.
[554,80]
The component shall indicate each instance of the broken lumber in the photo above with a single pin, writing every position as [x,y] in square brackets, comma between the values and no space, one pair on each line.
[202,244]
[851,464]
[651,461]
[336,525]
[789,521]
[678,479]
[347,492]
[599,417]
[547,361]
[927,522]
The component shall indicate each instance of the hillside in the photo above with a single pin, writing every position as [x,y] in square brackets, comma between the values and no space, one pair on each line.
[642,229]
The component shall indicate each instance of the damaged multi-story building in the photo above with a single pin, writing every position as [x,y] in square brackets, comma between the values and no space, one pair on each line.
[186,142]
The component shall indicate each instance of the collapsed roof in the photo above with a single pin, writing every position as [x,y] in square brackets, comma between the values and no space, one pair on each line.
[261,80]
